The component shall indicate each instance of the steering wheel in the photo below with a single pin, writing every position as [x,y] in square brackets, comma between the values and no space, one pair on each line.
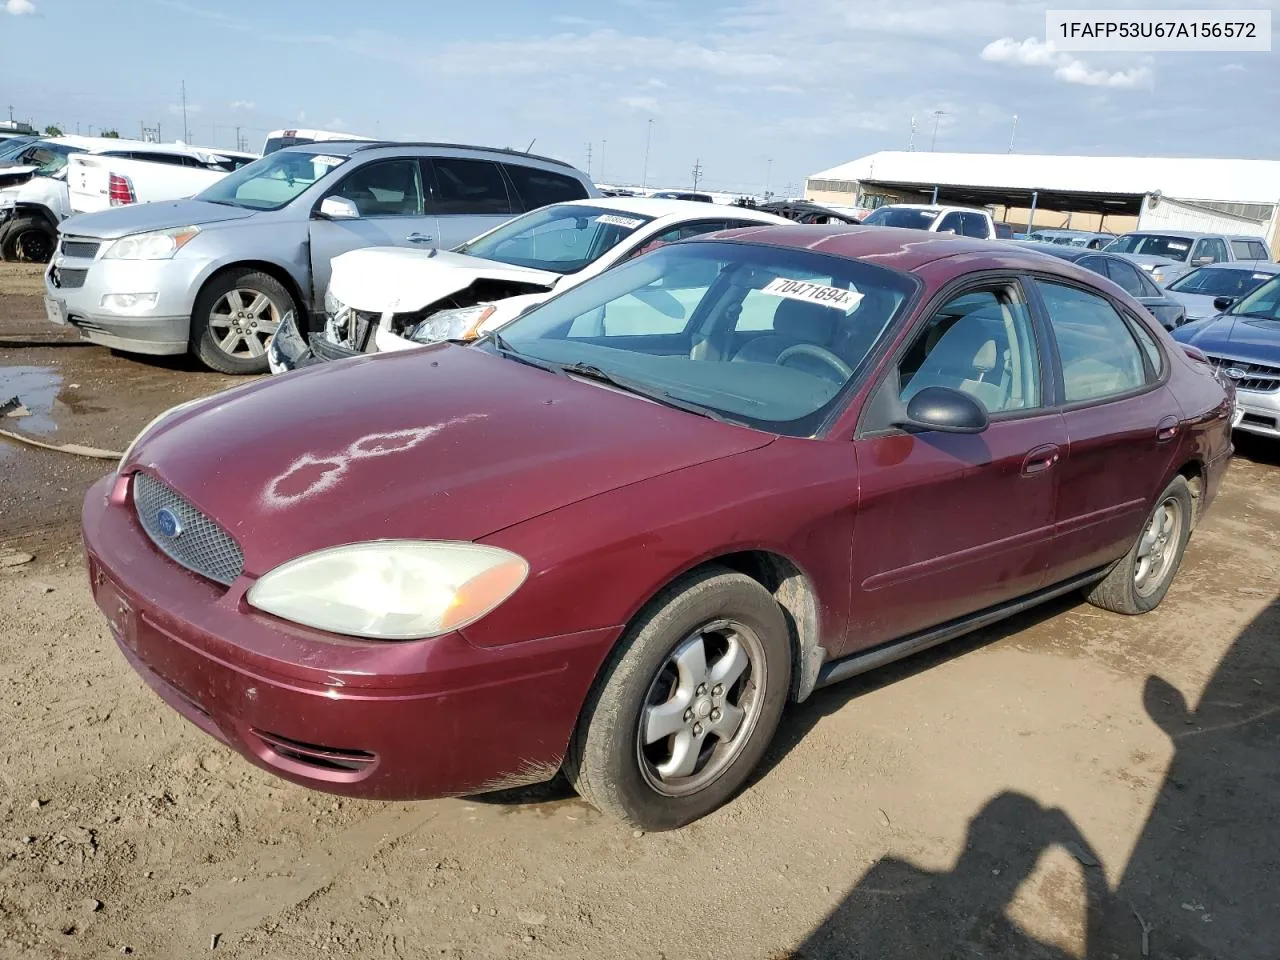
[818,353]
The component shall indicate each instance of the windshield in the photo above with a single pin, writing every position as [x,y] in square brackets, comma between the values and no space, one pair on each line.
[1228,282]
[764,336]
[1151,245]
[561,238]
[907,217]
[273,181]
[1262,304]
[279,143]
[11,148]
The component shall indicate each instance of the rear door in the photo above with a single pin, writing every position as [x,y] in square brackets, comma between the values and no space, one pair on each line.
[949,524]
[391,202]
[1130,279]
[1121,424]
[468,197]
[535,187]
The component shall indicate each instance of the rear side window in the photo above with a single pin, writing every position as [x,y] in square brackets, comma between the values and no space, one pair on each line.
[1099,355]
[539,188]
[973,225]
[1249,250]
[1148,344]
[470,187]
[1128,279]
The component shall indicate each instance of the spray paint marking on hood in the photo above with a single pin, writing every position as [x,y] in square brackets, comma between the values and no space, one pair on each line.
[311,475]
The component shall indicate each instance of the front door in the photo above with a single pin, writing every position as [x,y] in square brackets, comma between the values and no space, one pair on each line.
[949,524]
[1121,426]
[389,197]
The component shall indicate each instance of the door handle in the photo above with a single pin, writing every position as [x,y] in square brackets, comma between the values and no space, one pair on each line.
[1041,459]
[419,238]
[1167,430]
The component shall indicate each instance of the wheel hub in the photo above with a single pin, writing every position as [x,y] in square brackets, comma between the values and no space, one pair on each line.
[703,708]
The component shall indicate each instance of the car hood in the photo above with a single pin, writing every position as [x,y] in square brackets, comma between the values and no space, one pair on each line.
[445,442]
[1148,261]
[143,217]
[1199,306]
[376,279]
[1240,339]
[12,176]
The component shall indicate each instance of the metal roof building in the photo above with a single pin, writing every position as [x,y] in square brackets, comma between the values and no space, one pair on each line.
[1243,194]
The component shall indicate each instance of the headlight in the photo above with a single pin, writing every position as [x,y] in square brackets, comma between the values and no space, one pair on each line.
[7,201]
[332,305]
[460,324]
[160,245]
[391,589]
[152,425]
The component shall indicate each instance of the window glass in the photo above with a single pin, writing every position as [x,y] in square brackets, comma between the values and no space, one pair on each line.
[560,238]
[470,186]
[1148,344]
[1212,247]
[1099,355]
[1249,250]
[273,181]
[1262,304]
[1151,245]
[1096,264]
[973,225]
[1127,278]
[673,322]
[1220,282]
[385,188]
[538,188]
[981,343]
[909,217]
[952,222]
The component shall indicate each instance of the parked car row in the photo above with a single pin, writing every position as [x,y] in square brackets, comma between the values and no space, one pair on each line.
[616,535]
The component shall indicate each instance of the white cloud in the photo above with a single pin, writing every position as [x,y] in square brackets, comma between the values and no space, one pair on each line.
[19,8]
[1039,53]
[242,104]
[655,83]
[1233,68]
[643,104]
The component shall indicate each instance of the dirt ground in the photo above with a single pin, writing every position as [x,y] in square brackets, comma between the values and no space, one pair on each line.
[1068,784]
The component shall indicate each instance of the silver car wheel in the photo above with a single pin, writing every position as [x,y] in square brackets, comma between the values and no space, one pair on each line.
[1157,550]
[242,321]
[701,708]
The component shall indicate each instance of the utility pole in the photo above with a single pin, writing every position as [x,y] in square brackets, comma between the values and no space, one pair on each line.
[697,173]
[11,113]
[937,115]
[602,145]
[911,144]
[186,134]
[1014,133]
[768,175]
[238,140]
[588,159]
[644,179]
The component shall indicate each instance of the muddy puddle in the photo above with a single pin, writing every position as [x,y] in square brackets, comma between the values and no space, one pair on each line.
[36,390]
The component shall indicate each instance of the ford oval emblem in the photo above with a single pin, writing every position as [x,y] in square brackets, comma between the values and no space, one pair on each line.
[167,523]
[1235,373]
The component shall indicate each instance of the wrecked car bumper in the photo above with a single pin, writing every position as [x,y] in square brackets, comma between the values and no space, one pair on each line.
[382,720]
[288,349]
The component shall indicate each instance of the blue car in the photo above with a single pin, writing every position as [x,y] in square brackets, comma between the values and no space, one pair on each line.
[1243,344]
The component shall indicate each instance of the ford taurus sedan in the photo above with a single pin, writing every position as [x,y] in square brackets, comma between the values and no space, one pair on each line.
[615,543]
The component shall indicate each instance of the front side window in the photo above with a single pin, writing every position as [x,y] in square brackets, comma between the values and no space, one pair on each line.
[1100,357]
[953,223]
[540,188]
[272,182]
[384,188]
[470,187]
[561,238]
[1213,248]
[981,343]
[1152,245]
[764,336]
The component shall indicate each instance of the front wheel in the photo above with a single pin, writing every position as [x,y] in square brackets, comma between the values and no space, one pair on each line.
[1140,581]
[687,705]
[29,240]
[235,316]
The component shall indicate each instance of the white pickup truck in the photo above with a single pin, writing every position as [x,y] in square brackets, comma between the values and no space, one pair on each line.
[58,177]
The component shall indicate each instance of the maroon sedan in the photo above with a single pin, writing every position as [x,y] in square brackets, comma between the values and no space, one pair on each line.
[616,538]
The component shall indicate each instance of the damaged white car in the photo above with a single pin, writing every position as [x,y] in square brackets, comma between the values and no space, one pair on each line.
[388,298]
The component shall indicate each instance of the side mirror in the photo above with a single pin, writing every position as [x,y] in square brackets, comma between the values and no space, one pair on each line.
[945,410]
[1202,261]
[338,208]
[1223,304]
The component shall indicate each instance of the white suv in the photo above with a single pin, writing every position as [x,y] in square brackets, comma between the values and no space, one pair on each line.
[962,221]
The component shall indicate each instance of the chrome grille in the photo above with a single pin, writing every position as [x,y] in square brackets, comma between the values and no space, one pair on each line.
[1259,377]
[200,545]
[86,249]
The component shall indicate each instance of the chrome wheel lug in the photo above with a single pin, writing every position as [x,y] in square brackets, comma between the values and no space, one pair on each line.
[697,729]
[688,715]
[702,689]
[717,690]
[715,716]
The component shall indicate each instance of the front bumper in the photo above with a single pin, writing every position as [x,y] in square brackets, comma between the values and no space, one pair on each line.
[389,721]
[79,284]
[1258,412]
[289,350]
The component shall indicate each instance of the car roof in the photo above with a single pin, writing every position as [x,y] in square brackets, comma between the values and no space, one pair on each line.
[1189,234]
[893,247]
[348,148]
[936,207]
[682,209]
[1250,266]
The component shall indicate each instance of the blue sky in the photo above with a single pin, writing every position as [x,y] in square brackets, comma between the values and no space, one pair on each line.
[805,84]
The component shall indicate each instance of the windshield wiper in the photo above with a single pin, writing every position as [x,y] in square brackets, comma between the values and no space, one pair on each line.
[505,349]
[589,371]
[1256,316]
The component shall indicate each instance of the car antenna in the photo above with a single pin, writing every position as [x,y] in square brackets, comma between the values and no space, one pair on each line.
[531,143]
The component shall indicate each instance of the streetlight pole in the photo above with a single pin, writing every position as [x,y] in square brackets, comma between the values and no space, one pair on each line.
[1014,133]
[648,140]
[937,115]
[768,175]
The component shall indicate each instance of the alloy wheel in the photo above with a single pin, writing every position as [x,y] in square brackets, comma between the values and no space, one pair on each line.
[1158,548]
[242,321]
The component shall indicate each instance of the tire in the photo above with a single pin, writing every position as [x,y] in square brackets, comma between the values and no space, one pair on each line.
[29,240]
[234,315]
[1126,589]
[608,762]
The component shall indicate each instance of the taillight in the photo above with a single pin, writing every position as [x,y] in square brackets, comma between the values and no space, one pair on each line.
[120,191]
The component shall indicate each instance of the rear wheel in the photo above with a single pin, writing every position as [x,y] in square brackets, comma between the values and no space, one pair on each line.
[29,240]
[1140,581]
[687,705]
[234,317]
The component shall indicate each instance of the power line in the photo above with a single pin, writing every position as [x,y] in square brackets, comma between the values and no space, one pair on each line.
[697,173]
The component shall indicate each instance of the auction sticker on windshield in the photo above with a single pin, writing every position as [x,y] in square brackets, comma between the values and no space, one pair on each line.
[324,160]
[615,221]
[835,297]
